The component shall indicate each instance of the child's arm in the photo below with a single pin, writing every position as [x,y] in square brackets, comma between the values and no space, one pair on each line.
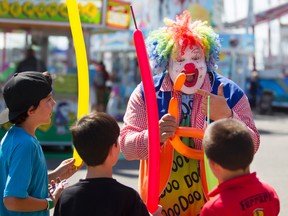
[31,204]
[64,171]
[28,204]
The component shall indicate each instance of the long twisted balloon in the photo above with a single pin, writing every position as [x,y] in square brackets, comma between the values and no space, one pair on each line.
[82,65]
[153,124]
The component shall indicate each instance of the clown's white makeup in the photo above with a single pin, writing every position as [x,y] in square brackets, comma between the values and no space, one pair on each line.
[193,64]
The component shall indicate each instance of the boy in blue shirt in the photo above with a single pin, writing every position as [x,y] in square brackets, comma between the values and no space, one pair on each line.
[24,179]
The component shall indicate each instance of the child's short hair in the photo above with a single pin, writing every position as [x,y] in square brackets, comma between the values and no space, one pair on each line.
[228,143]
[22,91]
[93,135]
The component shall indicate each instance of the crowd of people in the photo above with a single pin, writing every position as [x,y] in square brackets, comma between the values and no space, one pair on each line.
[230,140]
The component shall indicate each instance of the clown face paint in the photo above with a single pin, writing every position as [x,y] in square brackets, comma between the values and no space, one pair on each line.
[193,64]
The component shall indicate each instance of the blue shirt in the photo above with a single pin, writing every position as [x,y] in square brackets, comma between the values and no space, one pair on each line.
[23,170]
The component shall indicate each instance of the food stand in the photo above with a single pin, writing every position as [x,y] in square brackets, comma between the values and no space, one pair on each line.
[39,20]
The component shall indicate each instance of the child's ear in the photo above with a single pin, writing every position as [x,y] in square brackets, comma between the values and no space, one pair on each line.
[216,169]
[214,166]
[114,153]
[211,163]
[31,110]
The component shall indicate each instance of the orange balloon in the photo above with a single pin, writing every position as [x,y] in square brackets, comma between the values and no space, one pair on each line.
[191,153]
[190,132]
[179,82]
[173,104]
[183,149]
[204,179]
[186,150]
[173,107]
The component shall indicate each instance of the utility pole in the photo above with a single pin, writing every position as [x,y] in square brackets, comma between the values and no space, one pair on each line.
[269,38]
[250,22]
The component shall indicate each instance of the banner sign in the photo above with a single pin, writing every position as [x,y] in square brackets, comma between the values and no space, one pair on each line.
[117,13]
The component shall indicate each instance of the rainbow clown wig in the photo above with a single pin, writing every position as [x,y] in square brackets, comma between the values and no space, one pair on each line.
[171,41]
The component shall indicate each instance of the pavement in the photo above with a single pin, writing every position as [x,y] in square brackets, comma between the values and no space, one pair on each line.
[270,161]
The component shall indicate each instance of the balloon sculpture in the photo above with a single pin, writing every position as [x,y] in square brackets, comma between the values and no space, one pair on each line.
[82,65]
[208,179]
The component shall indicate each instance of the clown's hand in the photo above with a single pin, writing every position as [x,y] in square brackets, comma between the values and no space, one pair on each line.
[167,127]
[219,108]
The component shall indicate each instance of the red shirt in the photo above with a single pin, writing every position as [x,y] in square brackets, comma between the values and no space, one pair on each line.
[244,195]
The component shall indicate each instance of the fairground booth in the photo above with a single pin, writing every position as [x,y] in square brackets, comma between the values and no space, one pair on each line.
[44,26]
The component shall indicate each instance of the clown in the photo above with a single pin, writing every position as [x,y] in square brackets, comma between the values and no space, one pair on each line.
[193,49]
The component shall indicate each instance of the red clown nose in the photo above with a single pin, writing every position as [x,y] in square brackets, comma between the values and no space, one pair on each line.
[189,67]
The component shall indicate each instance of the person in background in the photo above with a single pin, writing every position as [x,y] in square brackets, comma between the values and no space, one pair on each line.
[254,90]
[23,171]
[230,150]
[100,87]
[191,48]
[30,63]
[95,138]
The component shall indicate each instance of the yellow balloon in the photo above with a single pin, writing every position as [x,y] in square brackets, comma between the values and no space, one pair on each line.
[82,65]
[212,181]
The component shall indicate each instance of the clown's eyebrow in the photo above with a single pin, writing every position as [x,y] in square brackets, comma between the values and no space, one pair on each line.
[195,50]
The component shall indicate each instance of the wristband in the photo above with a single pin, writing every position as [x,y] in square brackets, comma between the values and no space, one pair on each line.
[50,203]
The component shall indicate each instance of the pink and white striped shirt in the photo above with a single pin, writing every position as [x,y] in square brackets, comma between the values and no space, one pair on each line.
[134,134]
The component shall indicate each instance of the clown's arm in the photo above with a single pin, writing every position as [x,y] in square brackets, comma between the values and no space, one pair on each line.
[242,112]
[134,134]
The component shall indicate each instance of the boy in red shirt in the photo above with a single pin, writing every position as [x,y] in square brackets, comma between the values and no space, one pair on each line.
[229,148]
